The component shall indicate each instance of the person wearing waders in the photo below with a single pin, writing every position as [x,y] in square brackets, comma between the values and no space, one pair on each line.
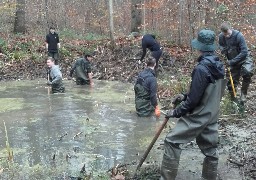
[55,77]
[53,44]
[148,41]
[198,111]
[233,46]
[145,91]
[83,70]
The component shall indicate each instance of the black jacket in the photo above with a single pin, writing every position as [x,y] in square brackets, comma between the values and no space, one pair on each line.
[147,79]
[208,69]
[52,40]
[148,41]
[236,47]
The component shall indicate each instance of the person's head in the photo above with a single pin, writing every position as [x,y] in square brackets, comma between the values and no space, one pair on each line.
[50,62]
[136,35]
[88,56]
[151,62]
[205,41]
[225,28]
[52,30]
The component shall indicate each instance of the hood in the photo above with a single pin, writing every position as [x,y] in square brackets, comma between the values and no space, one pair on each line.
[147,72]
[213,64]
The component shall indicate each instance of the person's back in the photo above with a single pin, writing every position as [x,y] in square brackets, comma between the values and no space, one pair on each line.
[145,91]
[148,41]
[83,70]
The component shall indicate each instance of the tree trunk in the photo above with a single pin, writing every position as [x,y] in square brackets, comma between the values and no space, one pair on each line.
[19,23]
[136,14]
[111,23]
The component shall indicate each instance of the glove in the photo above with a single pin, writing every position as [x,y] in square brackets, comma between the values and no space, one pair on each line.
[178,99]
[157,111]
[170,114]
[139,61]
[49,83]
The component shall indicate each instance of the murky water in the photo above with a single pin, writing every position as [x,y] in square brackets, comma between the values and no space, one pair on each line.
[59,133]
[54,136]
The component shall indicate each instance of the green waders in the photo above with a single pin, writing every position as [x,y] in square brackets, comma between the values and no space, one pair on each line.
[142,101]
[200,124]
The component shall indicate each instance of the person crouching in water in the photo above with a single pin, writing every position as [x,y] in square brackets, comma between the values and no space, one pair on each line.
[83,70]
[55,77]
[145,91]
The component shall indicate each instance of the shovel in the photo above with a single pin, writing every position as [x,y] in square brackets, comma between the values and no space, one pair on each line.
[151,144]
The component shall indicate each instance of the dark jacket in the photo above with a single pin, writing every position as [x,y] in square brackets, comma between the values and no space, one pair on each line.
[148,41]
[208,70]
[145,92]
[83,64]
[234,47]
[52,40]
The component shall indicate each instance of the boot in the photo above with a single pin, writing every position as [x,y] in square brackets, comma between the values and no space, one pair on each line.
[210,167]
[169,169]
[242,97]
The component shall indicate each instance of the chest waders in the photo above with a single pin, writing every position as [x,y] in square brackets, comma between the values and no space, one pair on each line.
[142,101]
[201,124]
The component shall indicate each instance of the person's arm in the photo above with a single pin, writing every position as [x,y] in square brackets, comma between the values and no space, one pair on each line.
[153,91]
[58,41]
[243,50]
[144,49]
[198,85]
[46,42]
[72,69]
[222,44]
[89,72]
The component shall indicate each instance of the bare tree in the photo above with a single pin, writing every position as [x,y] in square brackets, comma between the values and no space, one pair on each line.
[111,23]
[19,23]
[136,13]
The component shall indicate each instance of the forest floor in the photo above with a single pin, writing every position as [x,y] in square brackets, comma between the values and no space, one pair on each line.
[237,130]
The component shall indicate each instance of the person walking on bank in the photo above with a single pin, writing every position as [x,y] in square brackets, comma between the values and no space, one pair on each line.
[149,41]
[83,70]
[55,77]
[145,91]
[198,112]
[53,44]
[233,46]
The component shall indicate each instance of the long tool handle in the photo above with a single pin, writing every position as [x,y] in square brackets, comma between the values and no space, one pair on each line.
[152,144]
[232,82]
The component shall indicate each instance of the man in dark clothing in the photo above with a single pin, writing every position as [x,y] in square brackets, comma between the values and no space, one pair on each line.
[198,111]
[233,46]
[149,41]
[55,77]
[53,44]
[83,70]
[145,91]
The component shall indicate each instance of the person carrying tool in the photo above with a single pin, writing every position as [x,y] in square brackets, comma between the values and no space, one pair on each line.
[53,44]
[233,46]
[145,91]
[198,112]
[149,41]
[83,70]
[55,77]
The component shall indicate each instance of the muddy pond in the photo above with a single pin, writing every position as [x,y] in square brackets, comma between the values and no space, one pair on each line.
[55,136]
